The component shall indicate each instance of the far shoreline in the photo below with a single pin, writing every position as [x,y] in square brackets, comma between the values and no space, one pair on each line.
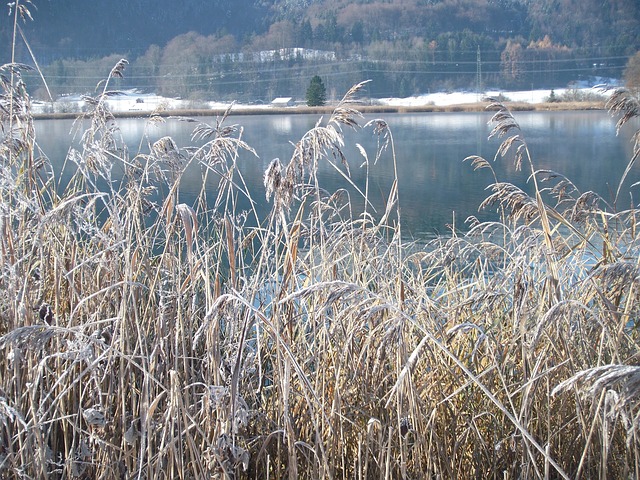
[328,109]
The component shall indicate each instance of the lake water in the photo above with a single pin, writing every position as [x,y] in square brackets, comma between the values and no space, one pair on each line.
[434,182]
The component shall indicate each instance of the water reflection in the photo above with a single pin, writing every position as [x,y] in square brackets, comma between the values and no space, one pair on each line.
[434,182]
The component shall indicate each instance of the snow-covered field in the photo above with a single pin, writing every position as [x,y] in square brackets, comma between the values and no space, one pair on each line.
[459,98]
[132,101]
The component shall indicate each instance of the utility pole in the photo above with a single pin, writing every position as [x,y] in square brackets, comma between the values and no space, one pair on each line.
[479,72]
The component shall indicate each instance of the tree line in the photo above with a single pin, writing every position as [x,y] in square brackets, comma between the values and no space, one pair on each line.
[192,66]
[407,47]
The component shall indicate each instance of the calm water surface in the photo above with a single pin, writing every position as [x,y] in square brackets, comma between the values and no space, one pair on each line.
[435,184]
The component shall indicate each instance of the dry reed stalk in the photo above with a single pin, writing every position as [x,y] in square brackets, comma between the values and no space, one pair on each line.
[142,337]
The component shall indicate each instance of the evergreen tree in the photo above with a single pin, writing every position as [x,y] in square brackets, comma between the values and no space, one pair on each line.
[305,34]
[316,93]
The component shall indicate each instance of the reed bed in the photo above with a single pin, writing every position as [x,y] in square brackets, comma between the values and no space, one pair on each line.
[328,109]
[141,337]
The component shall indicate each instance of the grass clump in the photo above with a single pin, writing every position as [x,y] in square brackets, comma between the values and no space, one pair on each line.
[576,95]
[144,337]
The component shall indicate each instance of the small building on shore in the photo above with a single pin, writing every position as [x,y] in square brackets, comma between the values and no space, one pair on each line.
[283,102]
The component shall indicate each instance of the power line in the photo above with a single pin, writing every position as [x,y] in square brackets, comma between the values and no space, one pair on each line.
[395,64]
[310,64]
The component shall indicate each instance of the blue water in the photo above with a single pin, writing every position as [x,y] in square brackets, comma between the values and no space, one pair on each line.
[436,187]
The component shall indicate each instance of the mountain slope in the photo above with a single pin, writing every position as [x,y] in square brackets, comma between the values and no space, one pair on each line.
[82,29]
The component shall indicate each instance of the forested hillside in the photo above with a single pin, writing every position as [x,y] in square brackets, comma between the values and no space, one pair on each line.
[209,49]
[84,29]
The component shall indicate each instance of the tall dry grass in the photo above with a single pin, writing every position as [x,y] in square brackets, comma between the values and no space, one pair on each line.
[141,337]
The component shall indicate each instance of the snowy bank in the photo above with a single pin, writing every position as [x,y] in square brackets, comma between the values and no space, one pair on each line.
[132,102]
[464,98]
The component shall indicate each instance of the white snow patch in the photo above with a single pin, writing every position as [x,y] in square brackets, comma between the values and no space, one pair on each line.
[132,101]
[460,98]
